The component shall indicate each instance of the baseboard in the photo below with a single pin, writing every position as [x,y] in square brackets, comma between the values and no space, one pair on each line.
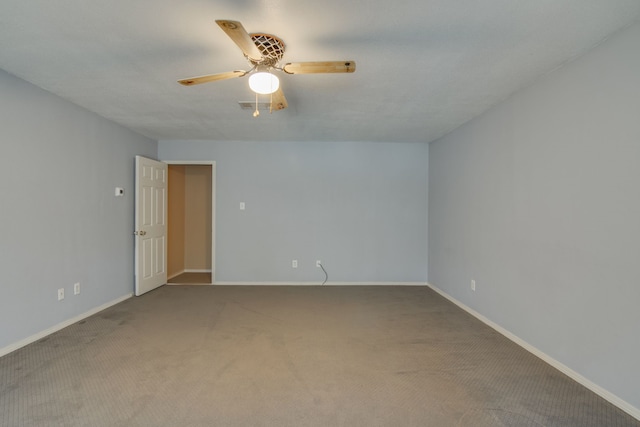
[33,338]
[320,283]
[196,270]
[605,394]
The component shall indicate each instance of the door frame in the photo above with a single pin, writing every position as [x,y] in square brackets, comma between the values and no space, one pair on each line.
[213,205]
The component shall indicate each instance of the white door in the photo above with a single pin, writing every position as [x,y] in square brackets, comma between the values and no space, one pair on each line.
[151,225]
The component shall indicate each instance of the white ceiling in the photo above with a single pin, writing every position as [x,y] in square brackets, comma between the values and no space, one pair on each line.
[424,67]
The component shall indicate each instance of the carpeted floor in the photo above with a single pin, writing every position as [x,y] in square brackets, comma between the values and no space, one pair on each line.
[191,279]
[289,356]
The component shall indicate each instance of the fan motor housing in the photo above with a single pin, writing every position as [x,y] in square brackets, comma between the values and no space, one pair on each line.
[271,47]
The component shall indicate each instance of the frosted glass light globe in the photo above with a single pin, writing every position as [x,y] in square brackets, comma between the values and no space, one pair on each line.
[264,83]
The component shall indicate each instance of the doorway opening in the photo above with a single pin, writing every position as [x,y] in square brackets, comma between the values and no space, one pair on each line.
[190,223]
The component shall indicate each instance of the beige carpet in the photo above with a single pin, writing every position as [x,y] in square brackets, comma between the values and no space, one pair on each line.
[191,279]
[289,356]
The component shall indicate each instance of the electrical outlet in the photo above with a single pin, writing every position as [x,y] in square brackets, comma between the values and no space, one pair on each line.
[76,288]
[242,206]
[318,262]
[294,263]
[60,294]
[473,285]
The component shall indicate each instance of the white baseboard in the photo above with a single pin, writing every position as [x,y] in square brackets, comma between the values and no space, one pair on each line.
[33,338]
[320,283]
[605,394]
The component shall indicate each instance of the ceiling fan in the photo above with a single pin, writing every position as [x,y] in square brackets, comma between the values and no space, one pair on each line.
[264,52]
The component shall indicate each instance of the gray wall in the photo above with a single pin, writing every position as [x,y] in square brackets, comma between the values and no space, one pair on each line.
[538,200]
[60,222]
[361,208]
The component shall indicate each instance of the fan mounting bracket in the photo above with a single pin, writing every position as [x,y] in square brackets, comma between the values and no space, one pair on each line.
[271,47]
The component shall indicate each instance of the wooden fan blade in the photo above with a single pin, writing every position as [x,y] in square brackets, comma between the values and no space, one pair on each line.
[212,78]
[278,101]
[320,67]
[241,37]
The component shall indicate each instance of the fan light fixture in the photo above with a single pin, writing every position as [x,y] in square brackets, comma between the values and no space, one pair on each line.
[264,53]
[263,83]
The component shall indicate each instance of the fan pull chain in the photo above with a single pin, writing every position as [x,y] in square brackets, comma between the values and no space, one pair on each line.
[256,113]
